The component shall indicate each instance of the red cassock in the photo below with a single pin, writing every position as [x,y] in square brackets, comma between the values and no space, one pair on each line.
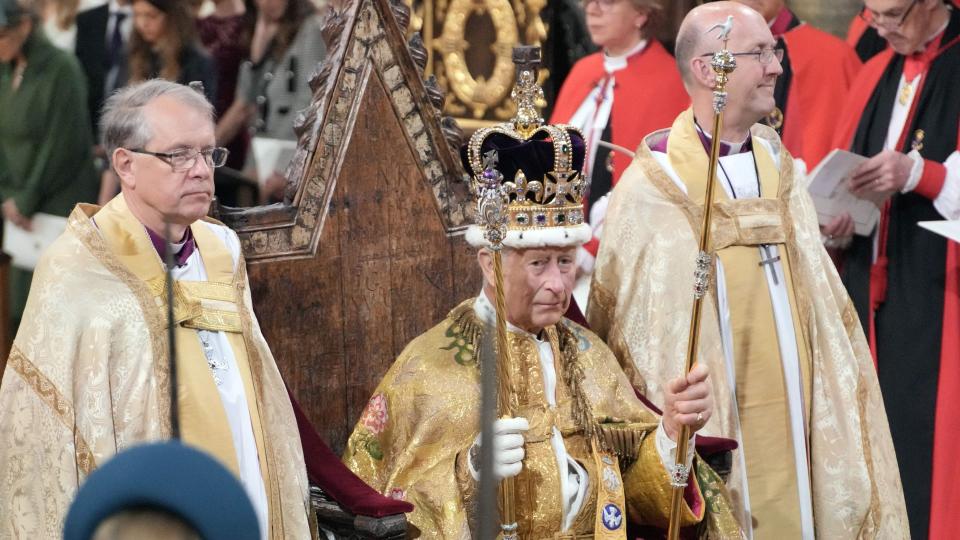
[648,96]
[865,39]
[823,68]
[935,109]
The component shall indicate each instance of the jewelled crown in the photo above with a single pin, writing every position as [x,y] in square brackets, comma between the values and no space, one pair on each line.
[527,176]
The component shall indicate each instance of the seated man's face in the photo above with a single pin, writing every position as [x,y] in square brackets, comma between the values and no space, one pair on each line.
[538,284]
[179,194]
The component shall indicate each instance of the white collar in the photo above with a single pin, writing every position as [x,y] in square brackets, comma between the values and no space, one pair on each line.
[616,63]
[734,147]
[115,7]
[484,309]
[939,31]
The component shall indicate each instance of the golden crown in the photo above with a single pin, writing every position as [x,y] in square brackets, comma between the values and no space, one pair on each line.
[521,211]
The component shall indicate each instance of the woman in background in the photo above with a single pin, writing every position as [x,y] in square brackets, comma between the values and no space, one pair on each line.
[273,84]
[226,34]
[164,44]
[46,144]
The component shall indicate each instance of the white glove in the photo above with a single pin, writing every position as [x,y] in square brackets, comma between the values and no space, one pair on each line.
[507,449]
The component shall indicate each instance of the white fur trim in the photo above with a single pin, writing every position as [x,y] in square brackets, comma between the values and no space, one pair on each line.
[535,238]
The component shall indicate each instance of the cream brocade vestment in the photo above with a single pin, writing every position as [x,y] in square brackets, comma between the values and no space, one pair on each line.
[641,300]
[413,438]
[88,374]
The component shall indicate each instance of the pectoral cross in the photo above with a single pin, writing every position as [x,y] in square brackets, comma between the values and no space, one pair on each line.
[216,365]
[768,260]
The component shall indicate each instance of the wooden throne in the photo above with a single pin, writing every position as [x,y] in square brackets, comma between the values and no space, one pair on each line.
[364,253]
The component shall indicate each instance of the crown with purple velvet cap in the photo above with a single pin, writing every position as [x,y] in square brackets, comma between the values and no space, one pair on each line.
[528,177]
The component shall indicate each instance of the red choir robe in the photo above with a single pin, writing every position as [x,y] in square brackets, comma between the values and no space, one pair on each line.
[647,95]
[909,300]
[817,68]
[865,39]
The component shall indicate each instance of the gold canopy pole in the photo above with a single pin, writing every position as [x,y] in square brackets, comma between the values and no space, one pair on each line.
[492,202]
[723,64]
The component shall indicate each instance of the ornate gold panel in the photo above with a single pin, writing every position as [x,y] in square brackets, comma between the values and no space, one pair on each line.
[469,44]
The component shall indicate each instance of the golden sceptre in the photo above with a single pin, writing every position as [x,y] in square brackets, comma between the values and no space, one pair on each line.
[491,209]
[723,64]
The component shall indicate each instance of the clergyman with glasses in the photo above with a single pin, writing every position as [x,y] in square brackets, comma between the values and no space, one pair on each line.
[904,114]
[89,371]
[793,380]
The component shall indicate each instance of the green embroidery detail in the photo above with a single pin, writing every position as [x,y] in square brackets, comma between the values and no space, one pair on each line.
[583,343]
[373,448]
[465,353]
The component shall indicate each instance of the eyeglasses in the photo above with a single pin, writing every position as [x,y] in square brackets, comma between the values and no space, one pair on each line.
[604,5]
[764,56]
[184,160]
[887,21]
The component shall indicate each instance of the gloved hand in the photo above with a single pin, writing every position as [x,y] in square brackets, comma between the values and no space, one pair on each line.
[507,448]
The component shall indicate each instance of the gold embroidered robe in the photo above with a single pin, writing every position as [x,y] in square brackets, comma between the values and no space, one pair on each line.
[413,438]
[88,376]
[640,304]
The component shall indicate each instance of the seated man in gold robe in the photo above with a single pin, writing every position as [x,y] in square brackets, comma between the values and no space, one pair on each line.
[793,377]
[586,455]
[89,373]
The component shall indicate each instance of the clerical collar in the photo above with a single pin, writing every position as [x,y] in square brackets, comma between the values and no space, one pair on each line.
[917,63]
[183,249]
[616,63]
[934,42]
[726,148]
[484,309]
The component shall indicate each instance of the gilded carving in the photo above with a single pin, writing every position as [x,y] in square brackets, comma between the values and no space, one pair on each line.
[373,50]
[475,94]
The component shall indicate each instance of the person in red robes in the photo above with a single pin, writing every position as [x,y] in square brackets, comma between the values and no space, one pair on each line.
[618,95]
[904,114]
[865,39]
[817,68]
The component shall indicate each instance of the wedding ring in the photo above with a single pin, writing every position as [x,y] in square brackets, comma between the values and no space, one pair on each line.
[700,417]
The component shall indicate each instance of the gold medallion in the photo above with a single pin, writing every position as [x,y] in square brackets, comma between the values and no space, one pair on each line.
[906,94]
[774,119]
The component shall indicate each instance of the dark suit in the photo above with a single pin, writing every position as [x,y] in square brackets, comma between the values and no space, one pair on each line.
[93,56]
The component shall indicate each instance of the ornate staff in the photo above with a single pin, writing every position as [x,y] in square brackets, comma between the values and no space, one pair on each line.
[491,210]
[723,63]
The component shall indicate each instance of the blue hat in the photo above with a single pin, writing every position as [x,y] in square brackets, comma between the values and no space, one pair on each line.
[169,477]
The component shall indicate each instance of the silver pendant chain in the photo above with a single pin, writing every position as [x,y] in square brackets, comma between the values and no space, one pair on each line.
[216,364]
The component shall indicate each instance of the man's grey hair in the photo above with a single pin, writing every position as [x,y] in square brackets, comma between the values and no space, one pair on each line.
[123,124]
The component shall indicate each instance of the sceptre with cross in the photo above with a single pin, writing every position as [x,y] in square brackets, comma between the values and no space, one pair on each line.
[723,64]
